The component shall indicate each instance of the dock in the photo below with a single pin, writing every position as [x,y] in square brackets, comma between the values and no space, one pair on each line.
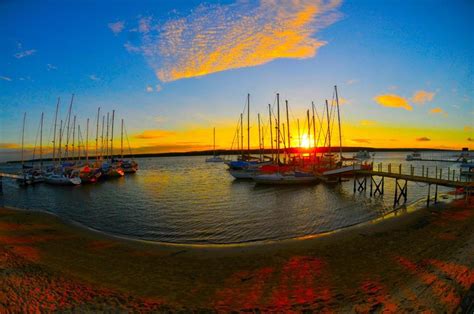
[450,178]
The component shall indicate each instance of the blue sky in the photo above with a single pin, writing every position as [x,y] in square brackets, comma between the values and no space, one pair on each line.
[52,49]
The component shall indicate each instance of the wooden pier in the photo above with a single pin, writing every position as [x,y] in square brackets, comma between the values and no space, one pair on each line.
[450,178]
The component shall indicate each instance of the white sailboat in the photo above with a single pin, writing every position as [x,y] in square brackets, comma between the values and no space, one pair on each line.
[214,158]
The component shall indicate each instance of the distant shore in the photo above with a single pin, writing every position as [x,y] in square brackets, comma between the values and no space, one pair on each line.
[414,262]
[225,152]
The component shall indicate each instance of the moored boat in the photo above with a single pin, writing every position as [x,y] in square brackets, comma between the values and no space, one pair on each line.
[289,178]
[414,156]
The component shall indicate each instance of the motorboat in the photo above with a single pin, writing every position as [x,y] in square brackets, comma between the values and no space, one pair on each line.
[414,156]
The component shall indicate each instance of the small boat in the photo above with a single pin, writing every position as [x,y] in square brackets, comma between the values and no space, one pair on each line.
[62,178]
[111,170]
[129,166]
[288,178]
[362,155]
[414,156]
[214,157]
[467,169]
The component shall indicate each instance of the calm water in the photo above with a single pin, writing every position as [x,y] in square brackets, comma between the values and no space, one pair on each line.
[185,200]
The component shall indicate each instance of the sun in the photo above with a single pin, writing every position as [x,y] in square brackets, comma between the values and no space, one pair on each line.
[305,141]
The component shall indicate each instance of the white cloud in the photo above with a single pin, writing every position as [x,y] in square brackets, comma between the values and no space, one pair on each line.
[149,89]
[159,88]
[25,53]
[94,77]
[51,67]
[353,81]
[5,78]
[117,27]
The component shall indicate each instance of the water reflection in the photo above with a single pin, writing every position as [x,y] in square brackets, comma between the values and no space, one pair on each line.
[185,200]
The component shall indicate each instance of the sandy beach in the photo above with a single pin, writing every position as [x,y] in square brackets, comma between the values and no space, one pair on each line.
[421,261]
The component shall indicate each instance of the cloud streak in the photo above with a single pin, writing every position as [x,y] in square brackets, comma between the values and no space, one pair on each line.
[422,96]
[5,78]
[423,139]
[216,38]
[393,101]
[25,53]
[117,27]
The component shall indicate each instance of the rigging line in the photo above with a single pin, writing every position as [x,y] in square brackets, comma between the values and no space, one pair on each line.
[36,141]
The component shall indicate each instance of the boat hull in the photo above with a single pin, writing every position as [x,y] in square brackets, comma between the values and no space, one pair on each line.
[280,179]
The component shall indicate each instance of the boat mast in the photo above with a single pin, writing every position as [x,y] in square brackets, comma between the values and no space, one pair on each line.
[288,126]
[299,134]
[309,130]
[41,142]
[107,139]
[54,136]
[278,128]
[112,138]
[102,138]
[60,140]
[121,140]
[329,126]
[271,128]
[248,126]
[214,140]
[259,138]
[285,152]
[23,143]
[73,136]
[97,136]
[79,137]
[68,121]
[339,122]
[242,134]
[315,143]
[87,141]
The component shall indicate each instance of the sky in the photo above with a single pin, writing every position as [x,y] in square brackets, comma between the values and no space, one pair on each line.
[173,70]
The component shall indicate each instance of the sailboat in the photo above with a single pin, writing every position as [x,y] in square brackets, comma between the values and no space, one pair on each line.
[214,158]
[31,174]
[128,166]
[60,174]
[111,168]
[284,174]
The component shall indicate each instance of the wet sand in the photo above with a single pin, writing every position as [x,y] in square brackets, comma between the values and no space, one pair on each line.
[422,261]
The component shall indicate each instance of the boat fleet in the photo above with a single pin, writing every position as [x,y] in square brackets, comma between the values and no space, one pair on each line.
[282,164]
[71,162]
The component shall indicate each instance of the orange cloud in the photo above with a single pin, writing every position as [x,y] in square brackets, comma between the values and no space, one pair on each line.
[360,140]
[153,134]
[393,101]
[468,128]
[438,110]
[422,96]
[9,146]
[423,139]
[216,38]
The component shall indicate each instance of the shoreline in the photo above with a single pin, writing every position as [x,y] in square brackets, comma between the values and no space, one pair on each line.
[418,261]
[401,210]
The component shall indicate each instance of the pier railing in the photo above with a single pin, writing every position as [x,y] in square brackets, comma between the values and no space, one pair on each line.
[428,172]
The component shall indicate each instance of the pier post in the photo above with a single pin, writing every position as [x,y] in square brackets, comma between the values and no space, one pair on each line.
[1,186]
[449,172]
[436,194]
[428,198]
[441,173]
[427,173]
[436,172]
[371,181]
[422,170]
[389,168]
[396,193]
[412,170]
[355,179]
[406,191]
[400,169]
[383,180]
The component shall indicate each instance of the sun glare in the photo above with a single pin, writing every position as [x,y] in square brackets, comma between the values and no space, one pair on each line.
[305,142]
